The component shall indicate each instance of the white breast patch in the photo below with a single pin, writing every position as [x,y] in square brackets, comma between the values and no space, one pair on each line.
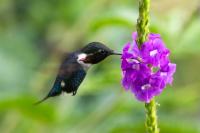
[85,66]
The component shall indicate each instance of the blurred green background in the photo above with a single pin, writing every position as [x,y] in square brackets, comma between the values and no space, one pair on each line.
[35,33]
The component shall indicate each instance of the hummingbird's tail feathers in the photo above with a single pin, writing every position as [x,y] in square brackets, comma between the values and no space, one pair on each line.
[41,100]
[55,91]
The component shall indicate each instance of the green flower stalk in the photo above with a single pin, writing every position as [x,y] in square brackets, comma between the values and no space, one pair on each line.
[143,21]
[142,31]
[140,57]
[151,118]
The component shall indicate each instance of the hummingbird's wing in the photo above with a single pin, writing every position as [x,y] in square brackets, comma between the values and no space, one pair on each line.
[69,78]
[71,84]
[73,74]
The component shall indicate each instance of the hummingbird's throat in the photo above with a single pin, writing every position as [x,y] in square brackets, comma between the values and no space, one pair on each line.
[81,58]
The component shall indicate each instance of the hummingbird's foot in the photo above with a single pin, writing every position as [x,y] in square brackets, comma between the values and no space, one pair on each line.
[74,93]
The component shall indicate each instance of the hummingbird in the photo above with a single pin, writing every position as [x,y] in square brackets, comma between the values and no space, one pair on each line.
[74,68]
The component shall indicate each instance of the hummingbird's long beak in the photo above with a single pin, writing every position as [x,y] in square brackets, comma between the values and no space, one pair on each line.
[115,53]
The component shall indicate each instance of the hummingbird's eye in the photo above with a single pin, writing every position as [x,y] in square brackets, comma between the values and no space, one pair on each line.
[102,51]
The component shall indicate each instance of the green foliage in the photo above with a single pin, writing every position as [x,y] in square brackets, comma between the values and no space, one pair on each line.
[33,36]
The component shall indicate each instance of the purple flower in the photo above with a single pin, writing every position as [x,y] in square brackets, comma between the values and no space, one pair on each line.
[146,71]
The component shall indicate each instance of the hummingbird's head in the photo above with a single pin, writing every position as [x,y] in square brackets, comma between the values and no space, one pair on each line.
[96,52]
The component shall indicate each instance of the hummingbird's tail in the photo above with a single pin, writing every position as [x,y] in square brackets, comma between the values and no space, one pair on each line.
[55,91]
[45,98]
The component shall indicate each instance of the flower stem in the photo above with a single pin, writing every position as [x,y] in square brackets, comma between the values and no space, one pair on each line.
[151,118]
[143,22]
[142,32]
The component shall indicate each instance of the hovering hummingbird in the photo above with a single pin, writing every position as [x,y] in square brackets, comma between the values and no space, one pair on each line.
[74,68]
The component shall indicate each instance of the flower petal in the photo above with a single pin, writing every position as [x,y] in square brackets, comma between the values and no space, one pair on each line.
[138,67]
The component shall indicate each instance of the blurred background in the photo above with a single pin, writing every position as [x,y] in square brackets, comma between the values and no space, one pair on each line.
[33,36]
